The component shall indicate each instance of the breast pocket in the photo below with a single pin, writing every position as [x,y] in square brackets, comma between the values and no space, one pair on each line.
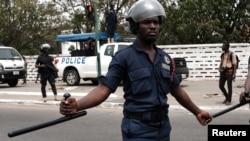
[140,81]
[166,75]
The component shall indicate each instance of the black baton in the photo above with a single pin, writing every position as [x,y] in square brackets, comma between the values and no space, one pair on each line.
[45,124]
[229,109]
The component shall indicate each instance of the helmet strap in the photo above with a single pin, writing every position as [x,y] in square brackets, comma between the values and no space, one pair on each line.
[133,26]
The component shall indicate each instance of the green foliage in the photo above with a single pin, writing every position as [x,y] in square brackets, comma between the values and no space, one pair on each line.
[25,24]
[202,21]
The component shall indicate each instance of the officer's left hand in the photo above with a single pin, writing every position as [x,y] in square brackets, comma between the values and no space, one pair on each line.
[204,118]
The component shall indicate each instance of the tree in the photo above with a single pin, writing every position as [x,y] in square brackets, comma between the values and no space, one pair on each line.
[202,21]
[77,12]
[26,24]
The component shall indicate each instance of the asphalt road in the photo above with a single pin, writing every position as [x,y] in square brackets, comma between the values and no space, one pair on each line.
[100,124]
[22,106]
[205,94]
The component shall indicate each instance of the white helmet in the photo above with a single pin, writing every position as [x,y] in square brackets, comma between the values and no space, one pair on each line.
[46,45]
[144,9]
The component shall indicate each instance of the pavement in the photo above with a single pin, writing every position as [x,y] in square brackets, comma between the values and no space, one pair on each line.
[204,93]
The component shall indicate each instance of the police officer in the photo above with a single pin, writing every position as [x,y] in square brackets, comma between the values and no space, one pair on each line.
[111,21]
[148,76]
[47,71]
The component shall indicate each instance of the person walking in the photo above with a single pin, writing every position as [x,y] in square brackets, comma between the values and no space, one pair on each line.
[147,75]
[227,69]
[111,21]
[47,71]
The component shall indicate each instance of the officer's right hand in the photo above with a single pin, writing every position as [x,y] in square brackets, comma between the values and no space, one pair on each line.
[68,106]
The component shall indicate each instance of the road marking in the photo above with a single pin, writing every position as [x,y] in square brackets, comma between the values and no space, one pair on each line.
[48,93]
[112,104]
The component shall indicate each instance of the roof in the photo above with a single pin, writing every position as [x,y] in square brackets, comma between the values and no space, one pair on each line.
[2,46]
[84,37]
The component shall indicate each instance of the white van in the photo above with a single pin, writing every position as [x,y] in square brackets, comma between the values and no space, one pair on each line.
[12,66]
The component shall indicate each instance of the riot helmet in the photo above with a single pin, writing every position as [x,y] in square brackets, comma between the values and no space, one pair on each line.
[142,10]
[45,46]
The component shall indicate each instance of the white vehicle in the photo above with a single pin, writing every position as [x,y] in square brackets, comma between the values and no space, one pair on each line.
[74,68]
[12,66]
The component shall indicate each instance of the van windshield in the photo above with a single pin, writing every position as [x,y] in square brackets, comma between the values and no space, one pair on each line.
[9,54]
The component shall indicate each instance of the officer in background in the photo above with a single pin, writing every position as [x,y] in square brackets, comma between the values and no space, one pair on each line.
[47,70]
[111,21]
[147,77]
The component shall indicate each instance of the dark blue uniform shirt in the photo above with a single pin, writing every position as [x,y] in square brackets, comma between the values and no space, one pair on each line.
[146,84]
[47,60]
[111,18]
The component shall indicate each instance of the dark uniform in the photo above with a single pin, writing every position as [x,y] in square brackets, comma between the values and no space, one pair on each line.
[111,21]
[146,86]
[46,74]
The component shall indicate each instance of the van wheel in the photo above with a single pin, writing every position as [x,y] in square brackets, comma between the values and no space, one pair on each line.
[13,82]
[72,77]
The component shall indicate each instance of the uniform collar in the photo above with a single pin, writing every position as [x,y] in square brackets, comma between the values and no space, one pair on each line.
[159,52]
[138,48]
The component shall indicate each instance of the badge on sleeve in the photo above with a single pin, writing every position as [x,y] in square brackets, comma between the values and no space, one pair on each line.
[166,64]
[167,59]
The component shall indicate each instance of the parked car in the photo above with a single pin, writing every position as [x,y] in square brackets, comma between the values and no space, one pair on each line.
[12,66]
[181,69]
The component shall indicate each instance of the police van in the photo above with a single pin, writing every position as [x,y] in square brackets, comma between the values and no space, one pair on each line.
[74,68]
[12,66]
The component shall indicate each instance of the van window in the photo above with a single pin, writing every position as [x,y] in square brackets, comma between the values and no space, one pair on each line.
[109,50]
[9,54]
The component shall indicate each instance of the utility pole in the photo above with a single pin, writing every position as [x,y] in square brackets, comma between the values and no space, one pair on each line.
[97,38]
